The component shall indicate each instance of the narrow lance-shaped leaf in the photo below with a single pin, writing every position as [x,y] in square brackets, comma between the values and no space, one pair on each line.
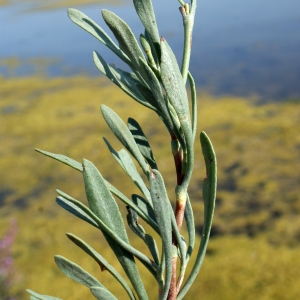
[150,242]
[74,208]
[209,197]
[121,131]
[156,89]
[190,224]
[114,240]
[173,83]
[145,11]
[129,82]
[133,173]
[94,29]
[102,262]
[102,293]
[125,161]
[132,220]
[115,77]
[143,205]
[75,272]
[62,158]
[155,49]
[36,296]
[77,166]
[161,206]
[142,142]
[105,208]
[124,36]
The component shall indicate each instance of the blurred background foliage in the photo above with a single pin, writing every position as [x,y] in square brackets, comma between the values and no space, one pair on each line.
[241,49]
[255,241]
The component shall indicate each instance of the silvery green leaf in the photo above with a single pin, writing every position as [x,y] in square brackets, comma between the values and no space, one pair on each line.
[143,205]
[104,265]
[62,158]
[113,152]
[94,29]
[78,166]
[114,75]
[101,201]
[36,296]
[190,224]
[148,96]
[145,11]
[142,142]
[209,197]
[105,208]
[125,161]
[75,208]
[156,89]
[122,249]
[102,293]
[132,172]
[161,206]
[155,49]
[147,49]
[150,242]
[119,128]
[75,272]
[132,220]
[124,36]
[173,83]
[104,68]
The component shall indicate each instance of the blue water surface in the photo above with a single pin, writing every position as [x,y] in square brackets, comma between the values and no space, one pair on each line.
[240,47]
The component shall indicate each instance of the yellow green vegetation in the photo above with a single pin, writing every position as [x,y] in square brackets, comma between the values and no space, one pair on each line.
[256,228]
[52,4]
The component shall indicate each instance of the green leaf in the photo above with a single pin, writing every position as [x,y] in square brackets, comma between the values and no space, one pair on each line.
[100,200]
[75,272]
[173,83]
[132,220]
[143,205]
[161,206]
[115,76]
[142,142]
[94,29]
[131,170]
[124,36]
[119,128]
[118,245]
[36,296]
[104,265]
[145,11]
[156,89]
[190,224]
[78,166]
[209,196]
[105,208]
[150,242]
[75,209]
[125,161]
[102,293]
[62,158]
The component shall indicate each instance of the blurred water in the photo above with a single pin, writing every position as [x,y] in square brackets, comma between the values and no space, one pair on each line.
[239,47]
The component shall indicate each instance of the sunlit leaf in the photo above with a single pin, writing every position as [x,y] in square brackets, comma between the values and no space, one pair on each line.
[102,293]
[121,131]
[104,265]
[75,272]
[36,296]
[161,206]
[142,142]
